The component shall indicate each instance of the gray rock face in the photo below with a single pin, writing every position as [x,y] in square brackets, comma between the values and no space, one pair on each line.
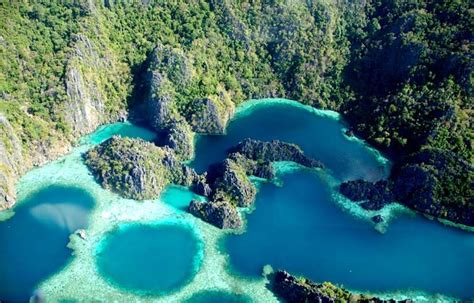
[210,116]
[137,169]
[221,214]
[179,137]
[85,107]
[160,109]
[230,182]
[11,158]
[275,150]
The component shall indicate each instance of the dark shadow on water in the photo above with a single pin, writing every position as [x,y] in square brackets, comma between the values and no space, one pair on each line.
[34,240]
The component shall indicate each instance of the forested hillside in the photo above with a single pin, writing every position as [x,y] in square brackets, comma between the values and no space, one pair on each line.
[400,72]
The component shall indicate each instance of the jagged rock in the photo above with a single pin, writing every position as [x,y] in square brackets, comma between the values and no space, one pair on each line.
[221,213]
[301,290]
[259,169]
[375,195]
[160,109]
[210,115]
[11,158]
[179,137]
[135,168]
[86,105]
[437,183]
[271,151]
[229,180]
[172,63]
[202,188]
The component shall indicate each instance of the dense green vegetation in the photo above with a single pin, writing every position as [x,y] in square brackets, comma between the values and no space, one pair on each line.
[399,70]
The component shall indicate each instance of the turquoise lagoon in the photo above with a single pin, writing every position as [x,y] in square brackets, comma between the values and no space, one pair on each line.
[152,259]
[299,223]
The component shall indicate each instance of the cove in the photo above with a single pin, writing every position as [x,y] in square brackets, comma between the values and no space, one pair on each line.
[35,238]
[149,259]
[300,228]
[319,133]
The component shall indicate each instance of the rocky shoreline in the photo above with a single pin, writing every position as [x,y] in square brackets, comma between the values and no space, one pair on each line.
[302,290]
[229,185]
[415,185]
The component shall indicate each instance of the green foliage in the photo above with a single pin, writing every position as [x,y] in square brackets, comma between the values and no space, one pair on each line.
[400,71]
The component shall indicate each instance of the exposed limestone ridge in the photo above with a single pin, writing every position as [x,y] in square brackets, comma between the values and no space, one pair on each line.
[87,68]
[11,158]
[221,214]
[227,183]
[275,150]
[211,115]
[136,168]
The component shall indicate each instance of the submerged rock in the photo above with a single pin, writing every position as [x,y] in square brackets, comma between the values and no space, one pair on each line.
[135,168]
[301,290]
[377,219]
[271,151]
[219,213]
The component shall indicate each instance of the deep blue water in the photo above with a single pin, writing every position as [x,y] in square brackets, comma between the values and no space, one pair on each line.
[320,137]
[215,296]
[296,227]
[34,240]
[149,259]
[299,228]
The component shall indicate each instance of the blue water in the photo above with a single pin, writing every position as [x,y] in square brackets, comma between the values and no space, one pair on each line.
[178,197]
[34,240]
[149,259]
[299,228]
[320,137]
[215,296]
[125,129]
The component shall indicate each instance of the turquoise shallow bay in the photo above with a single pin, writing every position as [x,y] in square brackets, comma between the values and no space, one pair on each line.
[299,223]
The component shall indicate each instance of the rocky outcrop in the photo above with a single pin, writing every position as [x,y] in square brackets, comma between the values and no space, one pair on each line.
[179,137]
[135,168]
[229,182]
[437,183]
[168,69]
[375,195]
[218,213]
[271,151]
[301,290]
[88,105]
[10,163]
[210,115]
[432,181]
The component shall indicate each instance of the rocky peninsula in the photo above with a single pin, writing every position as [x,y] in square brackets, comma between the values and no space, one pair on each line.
[302,290]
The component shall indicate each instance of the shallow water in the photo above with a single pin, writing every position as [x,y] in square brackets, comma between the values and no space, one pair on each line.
[300,226]
[35,238]
[149,259]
